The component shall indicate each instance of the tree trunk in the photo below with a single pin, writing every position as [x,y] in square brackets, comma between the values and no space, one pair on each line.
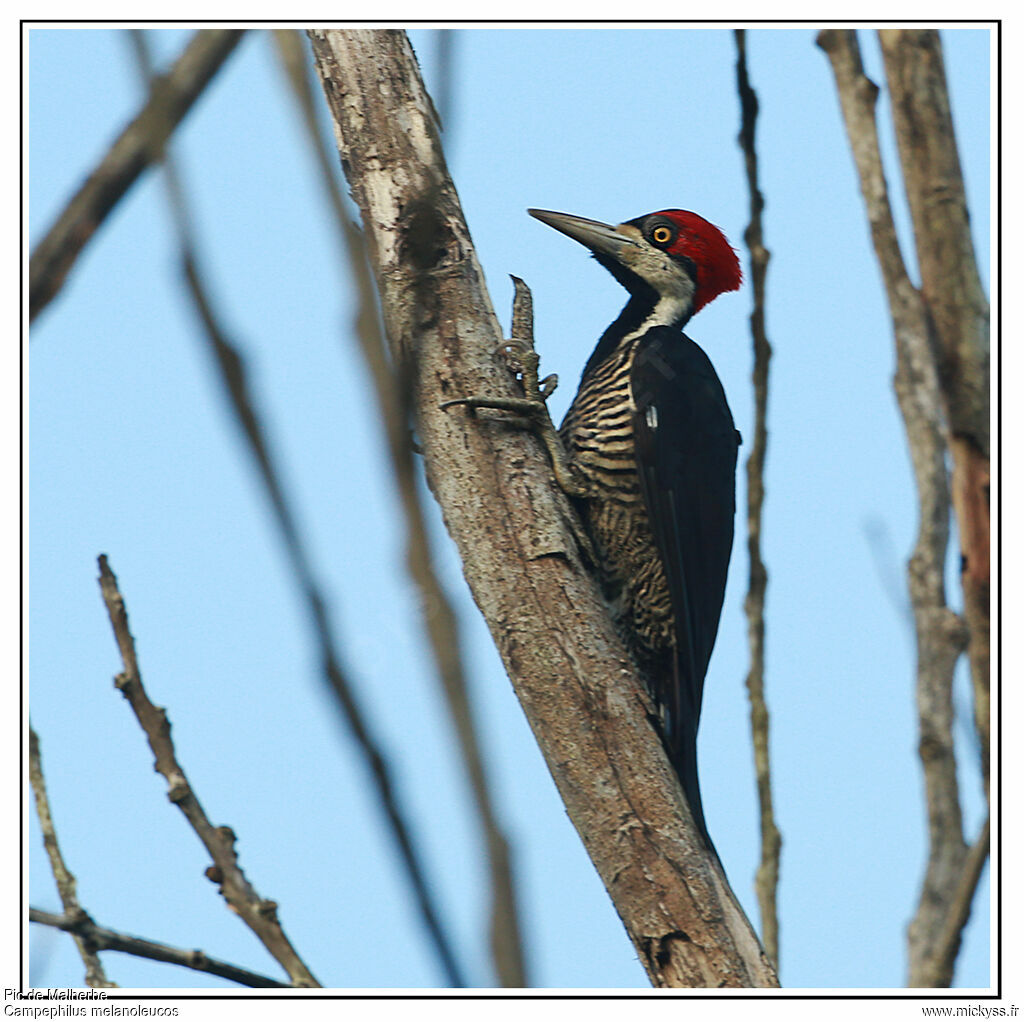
[578,687]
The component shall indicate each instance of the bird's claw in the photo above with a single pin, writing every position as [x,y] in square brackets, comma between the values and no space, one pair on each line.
[524,363]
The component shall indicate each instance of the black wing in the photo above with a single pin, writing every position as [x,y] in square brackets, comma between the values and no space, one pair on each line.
[686,448]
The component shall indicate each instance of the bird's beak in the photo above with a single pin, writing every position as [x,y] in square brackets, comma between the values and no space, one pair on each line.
[601,239]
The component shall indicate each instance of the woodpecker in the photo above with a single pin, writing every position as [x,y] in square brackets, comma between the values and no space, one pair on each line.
[651,436]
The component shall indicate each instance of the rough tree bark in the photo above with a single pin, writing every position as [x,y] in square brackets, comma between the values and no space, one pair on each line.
[577,685]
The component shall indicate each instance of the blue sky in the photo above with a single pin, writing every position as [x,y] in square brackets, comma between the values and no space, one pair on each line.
[134,454]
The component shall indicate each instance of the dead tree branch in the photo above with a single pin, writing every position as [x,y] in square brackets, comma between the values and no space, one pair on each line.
[577,685]
[958,316]
[139,145]
[767,879]
[259,914]
[441,624]
[940,633]
[82,927]
[66,885]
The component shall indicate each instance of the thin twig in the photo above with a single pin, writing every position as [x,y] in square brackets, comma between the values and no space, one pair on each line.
[439,617]
[66,886]
[767,881]
[99,937]
[139,145]
[259,914]
[234,377]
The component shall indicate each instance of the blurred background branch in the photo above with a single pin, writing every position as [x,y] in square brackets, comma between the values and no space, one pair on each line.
[139,146]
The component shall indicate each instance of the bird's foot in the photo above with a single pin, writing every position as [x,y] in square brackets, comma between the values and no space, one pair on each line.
[524,362]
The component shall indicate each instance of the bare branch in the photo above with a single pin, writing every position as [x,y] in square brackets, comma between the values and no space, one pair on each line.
[950,282]
[767,880]
[579,688]
[439,617]
[940,633]
[139,145]
[231,365]
[66,886]
[958,314]
[259,914]
[82,927]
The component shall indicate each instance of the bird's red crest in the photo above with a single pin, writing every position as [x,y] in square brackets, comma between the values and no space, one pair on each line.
[718,267]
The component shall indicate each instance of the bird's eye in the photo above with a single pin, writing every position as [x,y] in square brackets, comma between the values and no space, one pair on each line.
[662,234]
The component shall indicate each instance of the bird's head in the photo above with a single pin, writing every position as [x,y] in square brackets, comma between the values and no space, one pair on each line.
[686,261]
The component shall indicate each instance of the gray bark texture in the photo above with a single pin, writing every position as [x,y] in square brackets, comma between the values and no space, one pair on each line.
[577,685]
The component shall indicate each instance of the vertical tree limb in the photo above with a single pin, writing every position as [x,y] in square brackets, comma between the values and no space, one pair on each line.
[958,314]
[940,633]
[577,685]
[767,879]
